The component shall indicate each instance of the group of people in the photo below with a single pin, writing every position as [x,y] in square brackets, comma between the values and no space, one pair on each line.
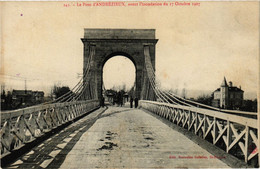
[133,100]
[118,99]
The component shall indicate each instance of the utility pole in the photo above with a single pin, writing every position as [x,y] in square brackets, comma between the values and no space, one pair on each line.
[25,85]
[2,88]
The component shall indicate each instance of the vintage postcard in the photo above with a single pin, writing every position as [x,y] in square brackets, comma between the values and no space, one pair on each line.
[129,84]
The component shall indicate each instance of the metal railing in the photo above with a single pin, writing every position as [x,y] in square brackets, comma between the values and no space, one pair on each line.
[22,126]
[236,134]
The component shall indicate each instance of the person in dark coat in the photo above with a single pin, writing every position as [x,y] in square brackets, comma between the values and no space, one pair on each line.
[121,98]
[131,102]
[136,102]
[102,101]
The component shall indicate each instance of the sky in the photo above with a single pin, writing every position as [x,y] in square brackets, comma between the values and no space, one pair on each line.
[197,47]
[119,66]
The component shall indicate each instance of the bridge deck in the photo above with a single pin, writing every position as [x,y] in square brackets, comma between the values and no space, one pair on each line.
[117,138]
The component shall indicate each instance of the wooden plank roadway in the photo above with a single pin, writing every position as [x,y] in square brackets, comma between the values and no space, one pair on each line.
[118,138]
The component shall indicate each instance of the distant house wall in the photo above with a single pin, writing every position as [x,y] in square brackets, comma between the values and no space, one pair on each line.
[217,95]
[216,102]
[236,99]
[24,98]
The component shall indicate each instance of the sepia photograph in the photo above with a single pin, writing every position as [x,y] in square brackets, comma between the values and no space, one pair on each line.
[129,84]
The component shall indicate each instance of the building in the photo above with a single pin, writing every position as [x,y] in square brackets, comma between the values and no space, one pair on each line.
[228,96]
[24,98]
[21,97]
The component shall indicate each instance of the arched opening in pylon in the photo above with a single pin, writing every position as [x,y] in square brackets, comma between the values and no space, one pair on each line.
[119,74]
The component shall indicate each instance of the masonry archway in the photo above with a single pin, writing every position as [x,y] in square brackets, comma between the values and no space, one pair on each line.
[107,43]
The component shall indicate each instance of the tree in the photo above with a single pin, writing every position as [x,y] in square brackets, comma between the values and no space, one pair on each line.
[250,105]
[59,91]
[205,99]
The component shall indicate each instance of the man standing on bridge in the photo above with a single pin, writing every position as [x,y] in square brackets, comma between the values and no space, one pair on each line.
[102,101]
[136,102]
[131,102]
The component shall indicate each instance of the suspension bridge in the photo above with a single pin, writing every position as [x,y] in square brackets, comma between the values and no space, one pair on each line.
[166,130]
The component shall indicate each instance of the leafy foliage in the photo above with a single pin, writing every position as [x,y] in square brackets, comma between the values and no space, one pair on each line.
[59,91]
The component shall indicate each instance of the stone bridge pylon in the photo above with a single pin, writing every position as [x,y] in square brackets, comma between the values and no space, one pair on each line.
[104,44]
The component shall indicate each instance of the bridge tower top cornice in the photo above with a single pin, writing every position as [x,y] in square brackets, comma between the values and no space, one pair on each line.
[119,34]
[146,41]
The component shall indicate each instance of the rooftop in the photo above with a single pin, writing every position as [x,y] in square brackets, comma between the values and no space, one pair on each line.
[231,89]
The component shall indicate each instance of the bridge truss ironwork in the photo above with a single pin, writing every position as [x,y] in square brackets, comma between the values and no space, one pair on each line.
[235,131]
